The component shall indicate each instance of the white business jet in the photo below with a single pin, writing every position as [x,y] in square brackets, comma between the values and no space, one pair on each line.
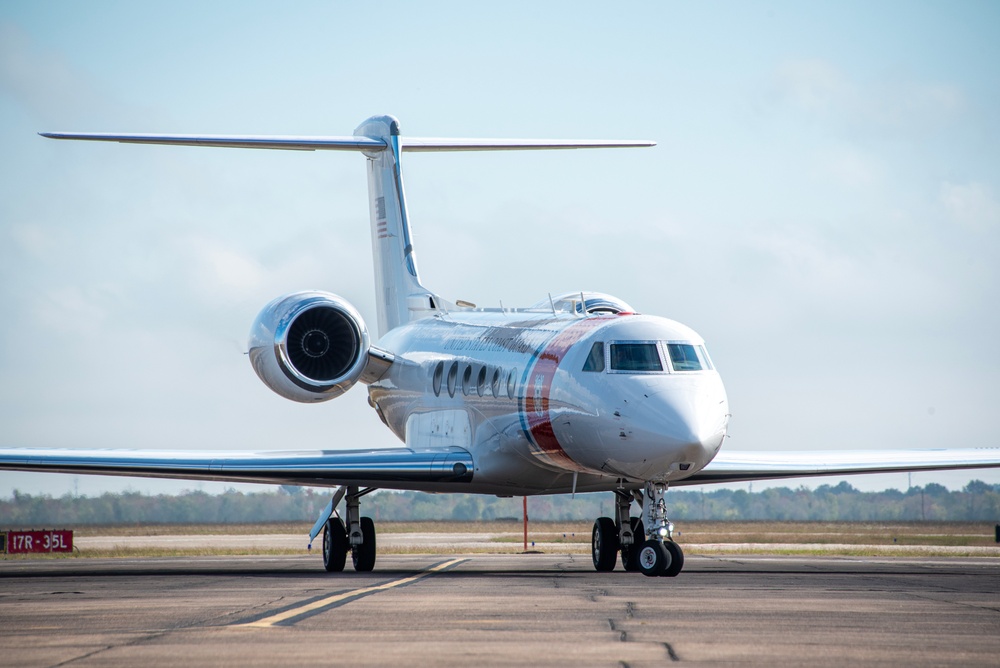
[578,393]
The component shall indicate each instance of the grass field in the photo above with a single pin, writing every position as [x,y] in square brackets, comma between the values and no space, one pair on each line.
[801,538]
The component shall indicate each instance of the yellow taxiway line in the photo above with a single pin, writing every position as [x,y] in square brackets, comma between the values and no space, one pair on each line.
[291,613]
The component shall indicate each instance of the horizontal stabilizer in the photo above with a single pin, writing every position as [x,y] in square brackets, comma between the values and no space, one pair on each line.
[294,143]
[233,141]
[425,144]
[734,466]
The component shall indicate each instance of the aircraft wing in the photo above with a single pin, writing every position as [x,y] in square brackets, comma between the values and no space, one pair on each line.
[396,467]
[736,466]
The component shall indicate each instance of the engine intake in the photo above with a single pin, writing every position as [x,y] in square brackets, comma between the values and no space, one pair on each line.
[309,346]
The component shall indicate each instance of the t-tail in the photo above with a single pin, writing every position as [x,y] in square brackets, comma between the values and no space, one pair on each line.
[399,294]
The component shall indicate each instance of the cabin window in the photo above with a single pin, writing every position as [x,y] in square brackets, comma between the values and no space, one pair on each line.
[438,377]
[481,382]
[595,360]
[684,357]
[512,383]
[496,383]
[467,380]
[635,357]
[452,379]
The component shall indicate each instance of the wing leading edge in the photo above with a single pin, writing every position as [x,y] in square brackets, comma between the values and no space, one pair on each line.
[396,467]
[777,465]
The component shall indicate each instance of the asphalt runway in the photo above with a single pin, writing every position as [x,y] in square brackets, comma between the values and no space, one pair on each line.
[536,609]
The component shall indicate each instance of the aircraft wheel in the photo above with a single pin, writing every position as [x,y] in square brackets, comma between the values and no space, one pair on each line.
[654,558]
[334,545]
[630,553]
[676,559]
[604,544]
[364,555]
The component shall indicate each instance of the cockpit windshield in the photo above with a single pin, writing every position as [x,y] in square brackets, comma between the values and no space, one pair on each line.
[683,357]
[635,357]
[648,357]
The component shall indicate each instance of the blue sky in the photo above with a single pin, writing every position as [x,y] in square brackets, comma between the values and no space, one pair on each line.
[823,205]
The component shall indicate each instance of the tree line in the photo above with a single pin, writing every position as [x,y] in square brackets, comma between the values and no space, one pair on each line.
[977,501]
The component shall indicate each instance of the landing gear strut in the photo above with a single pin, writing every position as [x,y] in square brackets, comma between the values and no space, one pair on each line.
[358,536]
[653,552]
[631,531]
[666,557]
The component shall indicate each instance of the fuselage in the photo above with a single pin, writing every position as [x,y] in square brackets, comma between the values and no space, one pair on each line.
[549,402]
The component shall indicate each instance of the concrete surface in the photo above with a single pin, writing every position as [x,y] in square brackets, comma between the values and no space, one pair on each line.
[546,609]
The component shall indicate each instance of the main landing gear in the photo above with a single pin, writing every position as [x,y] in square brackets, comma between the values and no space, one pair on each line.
[654,553]
[358,537]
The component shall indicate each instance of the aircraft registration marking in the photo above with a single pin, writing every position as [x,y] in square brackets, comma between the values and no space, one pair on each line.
[283,618]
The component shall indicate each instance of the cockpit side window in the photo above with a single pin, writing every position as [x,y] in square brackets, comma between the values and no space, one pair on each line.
[706,361]
[684,357]
[635,357]
[595,360]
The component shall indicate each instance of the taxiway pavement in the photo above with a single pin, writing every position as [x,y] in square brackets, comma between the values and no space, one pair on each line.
[462,610]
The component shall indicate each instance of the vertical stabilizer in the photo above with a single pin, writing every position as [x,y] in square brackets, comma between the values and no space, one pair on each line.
[398,291]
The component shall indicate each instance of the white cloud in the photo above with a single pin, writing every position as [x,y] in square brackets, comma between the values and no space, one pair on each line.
[42,80]
[33,240]
[852,167]
[223,270]
[822,89]
[815,86]
[971,205]
[74,310]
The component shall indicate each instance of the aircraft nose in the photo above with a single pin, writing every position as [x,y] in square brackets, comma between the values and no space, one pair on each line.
[674,428]
[682,416]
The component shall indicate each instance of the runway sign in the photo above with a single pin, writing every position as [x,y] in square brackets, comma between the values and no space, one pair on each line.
[29,542]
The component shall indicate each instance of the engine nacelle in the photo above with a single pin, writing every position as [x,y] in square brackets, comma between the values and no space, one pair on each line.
[309,346]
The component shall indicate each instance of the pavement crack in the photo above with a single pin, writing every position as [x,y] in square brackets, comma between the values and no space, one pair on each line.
[629,609]
[249,611]
[137,641]
[611,623]
[592,597]
[671,652]
[82,656]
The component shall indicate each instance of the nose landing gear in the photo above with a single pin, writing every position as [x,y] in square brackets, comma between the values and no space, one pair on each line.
[654,553]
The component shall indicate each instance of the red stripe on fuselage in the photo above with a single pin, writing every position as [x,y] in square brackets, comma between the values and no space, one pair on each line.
[538,388]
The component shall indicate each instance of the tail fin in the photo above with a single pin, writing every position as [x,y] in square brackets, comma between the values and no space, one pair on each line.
[398,292]
[400,296]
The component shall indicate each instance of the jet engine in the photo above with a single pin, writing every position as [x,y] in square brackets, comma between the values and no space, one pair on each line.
[309,346]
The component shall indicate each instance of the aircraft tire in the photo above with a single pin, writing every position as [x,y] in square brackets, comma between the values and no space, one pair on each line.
[654,558]
[676,559]
[334,545]
[630,553]
[364,555]
[604,544]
